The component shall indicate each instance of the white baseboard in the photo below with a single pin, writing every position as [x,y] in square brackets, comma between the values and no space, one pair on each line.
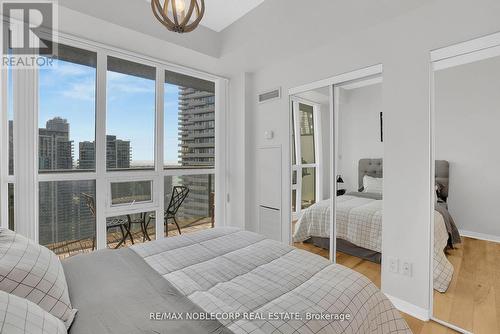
[480,236]
[410,309]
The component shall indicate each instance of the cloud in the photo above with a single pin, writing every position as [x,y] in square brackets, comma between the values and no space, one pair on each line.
[80,90]
[66,69]
[126,84]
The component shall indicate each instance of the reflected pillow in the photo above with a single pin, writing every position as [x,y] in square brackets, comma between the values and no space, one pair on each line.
[372,184]
[31,271]
[19,315]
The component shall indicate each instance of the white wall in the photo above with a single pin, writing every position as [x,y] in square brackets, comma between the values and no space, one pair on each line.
[359,130]
[467,135]
[281,52]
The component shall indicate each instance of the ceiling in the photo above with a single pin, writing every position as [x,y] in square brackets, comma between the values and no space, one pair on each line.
[219,14]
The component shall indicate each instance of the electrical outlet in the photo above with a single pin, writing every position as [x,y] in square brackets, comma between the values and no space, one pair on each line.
[406,268]
[393,265]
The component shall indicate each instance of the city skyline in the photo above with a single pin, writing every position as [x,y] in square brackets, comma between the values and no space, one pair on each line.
[130,111]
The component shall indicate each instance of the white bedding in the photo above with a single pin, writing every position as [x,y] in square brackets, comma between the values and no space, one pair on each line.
[229,270]
[359,221]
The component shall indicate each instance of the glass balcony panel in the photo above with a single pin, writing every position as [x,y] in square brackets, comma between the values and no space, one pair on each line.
[10,190]
[308,187]
[126,230]
[67,216]
[197,211]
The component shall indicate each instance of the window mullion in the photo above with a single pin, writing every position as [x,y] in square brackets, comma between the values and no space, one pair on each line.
[158,186]
[100,152]
[221,181]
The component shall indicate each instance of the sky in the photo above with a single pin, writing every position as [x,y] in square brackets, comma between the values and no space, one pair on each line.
[68,91]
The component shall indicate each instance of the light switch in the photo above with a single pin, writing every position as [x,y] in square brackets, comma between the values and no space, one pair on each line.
[393,265]
[268,134]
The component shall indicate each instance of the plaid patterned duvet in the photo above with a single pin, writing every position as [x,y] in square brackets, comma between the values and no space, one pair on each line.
[274,288]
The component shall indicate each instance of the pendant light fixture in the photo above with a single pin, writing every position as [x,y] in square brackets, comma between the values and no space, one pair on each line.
[179,15]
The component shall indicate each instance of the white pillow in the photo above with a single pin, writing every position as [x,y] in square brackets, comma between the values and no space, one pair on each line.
[372,184]
[31,271]
[19,315]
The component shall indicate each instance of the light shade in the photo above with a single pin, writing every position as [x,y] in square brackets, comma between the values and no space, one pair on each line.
[179,15]
[339,179]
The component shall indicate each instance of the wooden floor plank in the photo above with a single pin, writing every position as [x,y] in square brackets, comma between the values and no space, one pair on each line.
[472,300]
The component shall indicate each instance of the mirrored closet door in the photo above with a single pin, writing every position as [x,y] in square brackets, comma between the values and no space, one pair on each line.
[311,114]
[336,135]
[466,228]
[359,175]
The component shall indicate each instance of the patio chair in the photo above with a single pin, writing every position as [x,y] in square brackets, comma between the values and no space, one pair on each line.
[179,194]
[140,219]
[122,224]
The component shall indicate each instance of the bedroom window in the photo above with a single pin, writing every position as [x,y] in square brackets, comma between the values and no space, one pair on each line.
[131,192]
[111,137]
[66,112]
[130,115]
[305,154]
[189,109]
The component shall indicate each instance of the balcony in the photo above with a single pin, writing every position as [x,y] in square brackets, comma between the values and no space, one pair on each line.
[73,247]
[194,111]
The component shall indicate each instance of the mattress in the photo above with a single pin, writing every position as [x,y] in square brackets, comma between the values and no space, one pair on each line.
[229,271]
[115,291]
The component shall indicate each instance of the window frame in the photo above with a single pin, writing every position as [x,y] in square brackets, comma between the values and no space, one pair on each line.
[318,154]
[29,187]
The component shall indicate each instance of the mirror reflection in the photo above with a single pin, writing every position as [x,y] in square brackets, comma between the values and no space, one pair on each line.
[467,233]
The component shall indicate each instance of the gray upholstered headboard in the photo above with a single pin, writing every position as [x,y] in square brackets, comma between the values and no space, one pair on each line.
[443,177]
[374,168]
[370,167]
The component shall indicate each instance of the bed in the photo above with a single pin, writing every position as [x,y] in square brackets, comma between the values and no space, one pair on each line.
[359,223]
[267,286]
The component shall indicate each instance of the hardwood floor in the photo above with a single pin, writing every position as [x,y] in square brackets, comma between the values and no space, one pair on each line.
[472,300]
[372,271]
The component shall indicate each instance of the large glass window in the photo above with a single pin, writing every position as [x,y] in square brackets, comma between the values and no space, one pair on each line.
[66,112]
[189,122]
[67,216]
[75,197]
[130,117]
[307,144]
[304,159]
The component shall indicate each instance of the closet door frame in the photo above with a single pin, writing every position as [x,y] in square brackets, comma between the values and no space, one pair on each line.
[451,56]
[333,83]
